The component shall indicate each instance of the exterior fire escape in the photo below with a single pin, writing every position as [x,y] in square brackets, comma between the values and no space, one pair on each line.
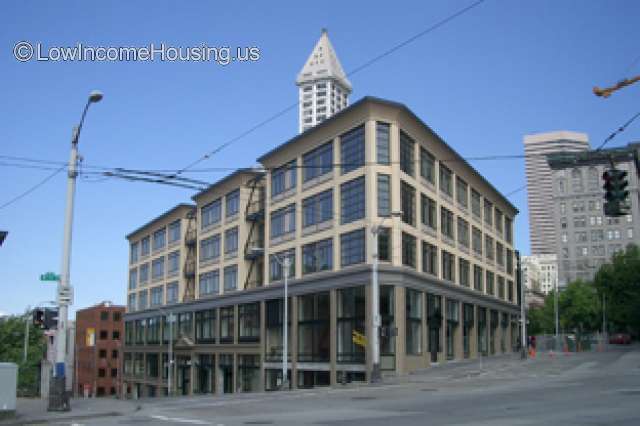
[189,271]
[254,246]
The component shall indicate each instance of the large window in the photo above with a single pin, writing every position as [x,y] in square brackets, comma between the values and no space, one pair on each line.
[499,254]
[384,244]
[276,262]
[133,279]
[384,195]
[174,231]
[388,339]
[476,205]
[283,221]
[159,239]
[231,278]
[317,208]
[231,241]
[145,246]
[352,149]
[509,261]
[407,160]
[317,256]
[273,340]
[462,192]
[448,266]
[144,273]
[490,283]
[232,201]
[173,262]
[157,268]
[429,258]
[489,248]
[453,317]
[226,324]
[464,270]
[318,162]
[408,250]
[249,322]
[488,212]
[210,248]
[352,197]
[463,232]
[211,213]
[206,326]
[172,292]
[135,252]
[446,180]
[414,314]
[156,296]
[185,324]
[476,241]
[501,287]
[427,166]
[153,331]
[352,247]
[446,222]
[382,143]
[478,275]
[408,203]
[428,212]
[313,328]
[351,317]
[209,283]
[508,230]
[498,221]
[284,178]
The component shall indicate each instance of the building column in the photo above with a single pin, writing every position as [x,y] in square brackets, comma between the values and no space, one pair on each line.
[473,335]
[400,323]
[442,355]
[263,339]
[458,347]
[333,327]
[293,343]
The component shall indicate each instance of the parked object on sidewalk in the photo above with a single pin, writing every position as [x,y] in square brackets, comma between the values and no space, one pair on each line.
[8,387]
[620,339]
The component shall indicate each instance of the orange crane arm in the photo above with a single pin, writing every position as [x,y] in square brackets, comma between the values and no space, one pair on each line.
[607,91]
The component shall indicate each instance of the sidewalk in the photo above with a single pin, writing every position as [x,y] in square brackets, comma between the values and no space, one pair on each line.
[34,411]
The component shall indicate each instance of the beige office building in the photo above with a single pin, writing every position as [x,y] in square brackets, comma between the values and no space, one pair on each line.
[446,272]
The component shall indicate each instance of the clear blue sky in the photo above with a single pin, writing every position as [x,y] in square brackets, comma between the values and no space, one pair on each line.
[503,70]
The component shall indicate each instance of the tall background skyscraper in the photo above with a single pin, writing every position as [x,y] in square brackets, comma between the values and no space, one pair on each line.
[323,87]
[540,186]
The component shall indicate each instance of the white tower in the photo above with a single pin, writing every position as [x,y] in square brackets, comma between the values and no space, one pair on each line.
[322,85]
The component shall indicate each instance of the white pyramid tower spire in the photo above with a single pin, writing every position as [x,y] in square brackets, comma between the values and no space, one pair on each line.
[323,85]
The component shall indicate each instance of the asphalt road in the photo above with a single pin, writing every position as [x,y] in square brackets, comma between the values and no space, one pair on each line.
[584,389]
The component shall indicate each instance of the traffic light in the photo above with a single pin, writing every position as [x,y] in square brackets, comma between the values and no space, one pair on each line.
[616,194]
[38,317]
[50,318]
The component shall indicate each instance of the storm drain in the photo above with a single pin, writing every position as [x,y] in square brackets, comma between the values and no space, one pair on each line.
[259,422]
[428,390]
[363,398]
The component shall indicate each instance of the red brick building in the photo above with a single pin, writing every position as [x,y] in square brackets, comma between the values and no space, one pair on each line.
[99,334]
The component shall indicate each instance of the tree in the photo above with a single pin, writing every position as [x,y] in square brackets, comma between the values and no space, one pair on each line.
[619,282]
[579,306]
[12,334]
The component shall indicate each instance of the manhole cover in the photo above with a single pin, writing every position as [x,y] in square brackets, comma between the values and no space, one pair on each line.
[363,398]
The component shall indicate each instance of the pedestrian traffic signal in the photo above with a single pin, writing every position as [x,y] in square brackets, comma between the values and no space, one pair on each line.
[50,318]
[616,194]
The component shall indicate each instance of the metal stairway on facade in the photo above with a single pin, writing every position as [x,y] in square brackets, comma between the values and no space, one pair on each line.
[254,246]
[189,271]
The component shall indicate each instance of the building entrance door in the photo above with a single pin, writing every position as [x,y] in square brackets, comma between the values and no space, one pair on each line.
[184,375]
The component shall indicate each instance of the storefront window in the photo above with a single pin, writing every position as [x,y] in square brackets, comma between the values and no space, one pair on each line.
[467,326]
[388,332]
[453,318]
[226,324]
[351,317]
[434,320]
[206,326]
[273,338]
[249,322]
[313,328]
[414,322]
[248,373]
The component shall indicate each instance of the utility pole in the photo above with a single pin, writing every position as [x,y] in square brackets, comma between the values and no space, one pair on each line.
[58,397]
[555,301]
[285,331]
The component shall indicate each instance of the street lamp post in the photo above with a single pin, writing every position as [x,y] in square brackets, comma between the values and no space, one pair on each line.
[285,264]
[375,303]
[58,398]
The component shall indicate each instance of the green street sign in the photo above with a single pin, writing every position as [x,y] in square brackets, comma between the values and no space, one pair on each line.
[49,276]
